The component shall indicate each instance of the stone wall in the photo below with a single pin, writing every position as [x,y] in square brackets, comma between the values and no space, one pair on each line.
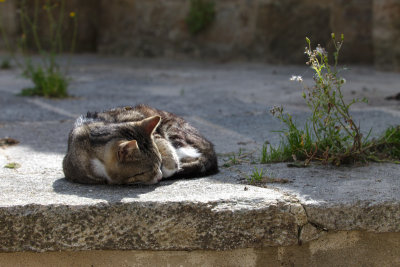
[265,30]
[272,31]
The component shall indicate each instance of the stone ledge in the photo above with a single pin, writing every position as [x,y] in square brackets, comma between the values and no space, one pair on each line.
[214,213]
[231,222]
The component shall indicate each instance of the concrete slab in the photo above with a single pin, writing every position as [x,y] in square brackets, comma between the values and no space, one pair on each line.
[229,103]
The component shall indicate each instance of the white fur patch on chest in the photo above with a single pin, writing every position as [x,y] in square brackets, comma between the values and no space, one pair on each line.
[187,152]
[99,170]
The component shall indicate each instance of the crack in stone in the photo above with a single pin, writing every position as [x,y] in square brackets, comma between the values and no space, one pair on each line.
[316,225]
[299,230]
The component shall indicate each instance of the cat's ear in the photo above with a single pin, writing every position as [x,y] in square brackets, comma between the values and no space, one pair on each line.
[150,124]
[126,150]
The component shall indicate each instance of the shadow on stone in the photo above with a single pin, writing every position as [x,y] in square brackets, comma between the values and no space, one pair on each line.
[109,193]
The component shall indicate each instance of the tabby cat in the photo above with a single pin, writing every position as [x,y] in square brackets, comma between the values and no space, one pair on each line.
[136,145]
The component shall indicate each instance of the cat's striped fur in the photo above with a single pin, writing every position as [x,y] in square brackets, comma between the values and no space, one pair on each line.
[136,145]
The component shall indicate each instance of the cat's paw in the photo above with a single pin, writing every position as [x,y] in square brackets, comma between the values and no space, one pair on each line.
[169,168]
[170,160]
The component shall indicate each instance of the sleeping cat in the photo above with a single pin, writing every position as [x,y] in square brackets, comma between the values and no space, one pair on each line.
[136,145]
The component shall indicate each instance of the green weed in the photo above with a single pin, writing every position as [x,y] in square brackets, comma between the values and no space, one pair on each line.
[387,147]
[233,159]
[201,15]
[239,158]
[391,141]
[330,134]
[12,165]
[256,176]
[46,83]
[264,153]
[261,177]
[5,64]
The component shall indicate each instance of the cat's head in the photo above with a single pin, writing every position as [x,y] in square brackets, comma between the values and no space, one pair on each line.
[133,157]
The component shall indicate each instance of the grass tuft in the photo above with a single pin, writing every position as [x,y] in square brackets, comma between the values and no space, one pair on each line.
[5,64]
[256,176]
[51,84]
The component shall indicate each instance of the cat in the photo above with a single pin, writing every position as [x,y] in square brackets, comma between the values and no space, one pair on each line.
[136,145]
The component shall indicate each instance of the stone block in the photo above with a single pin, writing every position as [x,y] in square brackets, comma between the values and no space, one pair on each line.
[386,34]
[354,19]
[282,26]
[86,13]
[181,225]
[141,28]
[8,21]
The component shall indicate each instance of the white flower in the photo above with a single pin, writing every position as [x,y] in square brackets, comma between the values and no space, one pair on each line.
[296,78]
[321,50]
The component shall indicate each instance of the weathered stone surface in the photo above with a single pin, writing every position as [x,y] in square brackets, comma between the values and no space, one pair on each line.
[310,232]
[344,198]
[377,217]
[245,219]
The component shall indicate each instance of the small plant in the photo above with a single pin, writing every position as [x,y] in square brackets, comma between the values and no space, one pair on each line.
[238,158]
[12,165]
[391,141]
[387,147]
[330,134]
[260,177]
[201,15]
[5,64]
[233,159]
[264,153]
[46,83]
[256,176]
[48,78]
